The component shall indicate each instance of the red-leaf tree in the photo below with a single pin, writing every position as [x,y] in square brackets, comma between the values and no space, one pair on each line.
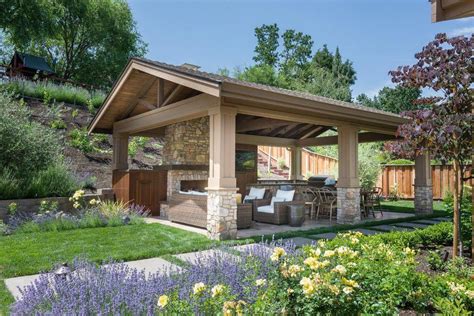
[445,66]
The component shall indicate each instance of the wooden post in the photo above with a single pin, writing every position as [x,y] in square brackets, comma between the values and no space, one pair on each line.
[295,167]
[348,187]
[222,185]
[120,151]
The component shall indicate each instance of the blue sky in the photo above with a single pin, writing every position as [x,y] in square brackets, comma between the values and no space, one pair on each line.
[377,35]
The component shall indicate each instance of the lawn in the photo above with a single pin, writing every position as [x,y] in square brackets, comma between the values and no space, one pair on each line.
[407,206]
[24,254]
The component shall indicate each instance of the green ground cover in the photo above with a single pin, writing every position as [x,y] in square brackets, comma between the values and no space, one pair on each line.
[407,206]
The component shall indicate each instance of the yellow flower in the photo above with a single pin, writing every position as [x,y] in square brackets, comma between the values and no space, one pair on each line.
[198,288]
[354,240]
[315,252]
[290,291]
[348,290]
[94,202]
[350,283]
[334,289]
[324,263]
[294,269]
[163,301]
[260,282]
[409,252]
[329,253]
[228,307]
[313,263]
[308,286]
[342,250]
[455,287]
[339,269]
[217,290]
[470,294]
[278,252]
[76,205]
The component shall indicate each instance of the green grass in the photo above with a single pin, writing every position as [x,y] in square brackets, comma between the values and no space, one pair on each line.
[24,254]
[407,206]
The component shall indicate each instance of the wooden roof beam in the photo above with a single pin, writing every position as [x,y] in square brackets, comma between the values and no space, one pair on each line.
[264,140]
[172,95]
[258,124]
[365,137]
[184,110]
[133,104]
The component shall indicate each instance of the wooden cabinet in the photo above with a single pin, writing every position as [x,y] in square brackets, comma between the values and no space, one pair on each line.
[142,187]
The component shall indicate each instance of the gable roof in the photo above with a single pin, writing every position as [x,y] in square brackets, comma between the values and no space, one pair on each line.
[223,79]
[231,91]
[34,62]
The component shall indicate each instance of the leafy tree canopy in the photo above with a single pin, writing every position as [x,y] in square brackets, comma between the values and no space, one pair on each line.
[88,41]
[287,61]
[395,100]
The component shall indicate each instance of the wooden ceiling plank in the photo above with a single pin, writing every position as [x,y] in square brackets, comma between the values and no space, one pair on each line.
[160,92]
[143,91]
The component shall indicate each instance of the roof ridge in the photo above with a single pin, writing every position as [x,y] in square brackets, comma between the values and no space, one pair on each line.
[296,93]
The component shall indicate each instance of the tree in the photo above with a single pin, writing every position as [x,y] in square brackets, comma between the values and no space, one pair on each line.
[293,66]
[445,66]
[395,100]
[85,40]
[267,45]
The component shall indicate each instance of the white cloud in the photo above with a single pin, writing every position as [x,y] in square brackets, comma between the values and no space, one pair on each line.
[469,30]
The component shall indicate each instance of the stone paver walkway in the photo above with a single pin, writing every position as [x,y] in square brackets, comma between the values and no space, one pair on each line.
[366,232]
[193,257]
[411,225]
[325,236]
[300,241]
[391,228]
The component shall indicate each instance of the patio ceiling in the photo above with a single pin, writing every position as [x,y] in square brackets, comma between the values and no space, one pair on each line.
[150,95]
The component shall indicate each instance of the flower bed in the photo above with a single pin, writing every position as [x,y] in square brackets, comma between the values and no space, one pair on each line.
[349,275]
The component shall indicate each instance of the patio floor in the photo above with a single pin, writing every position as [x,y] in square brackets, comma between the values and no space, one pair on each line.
[259,229]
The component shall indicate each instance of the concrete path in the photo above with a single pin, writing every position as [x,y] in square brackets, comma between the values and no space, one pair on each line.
[411,225]
[324,236]
[391,228]
[193,257]
[366,232]
[300,241]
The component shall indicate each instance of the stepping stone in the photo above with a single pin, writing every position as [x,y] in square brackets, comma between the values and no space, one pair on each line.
[426,222]
[13,284]
[153,265]
[299,241]
[442,219]
[254,248]
[202,256]
[325,236]
[411,225]
[390,228]
[366,232]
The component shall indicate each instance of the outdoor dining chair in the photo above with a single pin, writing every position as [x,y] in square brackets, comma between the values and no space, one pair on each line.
[312,199]
[328,202]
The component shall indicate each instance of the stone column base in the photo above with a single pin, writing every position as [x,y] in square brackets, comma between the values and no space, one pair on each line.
[348,205]
[222,214]
[423,199]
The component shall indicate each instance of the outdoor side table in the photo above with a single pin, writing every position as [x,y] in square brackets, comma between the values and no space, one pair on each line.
[295,215]
[244,215]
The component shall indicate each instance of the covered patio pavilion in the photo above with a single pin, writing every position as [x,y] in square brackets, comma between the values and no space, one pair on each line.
[204,118]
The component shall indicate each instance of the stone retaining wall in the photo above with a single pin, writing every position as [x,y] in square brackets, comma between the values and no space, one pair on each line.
[32,205]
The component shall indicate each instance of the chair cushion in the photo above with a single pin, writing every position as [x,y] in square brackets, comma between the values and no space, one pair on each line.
[266,209]
[249,198]
[257,192]
[276,199]
[286,195]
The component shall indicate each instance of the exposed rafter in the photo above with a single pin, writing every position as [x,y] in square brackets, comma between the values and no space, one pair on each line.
[171,97]
[143,91]
[365,137]
[258,124]
[160,96]
[146,104]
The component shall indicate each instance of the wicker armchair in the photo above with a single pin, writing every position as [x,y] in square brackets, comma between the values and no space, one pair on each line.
[266,196]
[280,211]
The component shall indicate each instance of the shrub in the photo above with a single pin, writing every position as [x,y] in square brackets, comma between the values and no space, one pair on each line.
[55,180]
[369,166]
[136,143]
[281,163]
[350,275]
[466,214]
[33,146]
[80,139]
[50,92]
[400,162]
[10,186]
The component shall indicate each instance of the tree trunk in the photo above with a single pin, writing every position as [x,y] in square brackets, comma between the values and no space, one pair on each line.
[456,217]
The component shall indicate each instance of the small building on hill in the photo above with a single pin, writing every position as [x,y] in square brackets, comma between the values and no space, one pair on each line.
[27,65]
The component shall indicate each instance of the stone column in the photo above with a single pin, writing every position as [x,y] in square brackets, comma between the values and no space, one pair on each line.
[423,185]
[348,188]
[222,187]
[295,167]
[120,151]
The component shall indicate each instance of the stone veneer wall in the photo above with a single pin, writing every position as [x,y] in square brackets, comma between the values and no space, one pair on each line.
[423,199]
[348,205]
[221,214]
[187,143]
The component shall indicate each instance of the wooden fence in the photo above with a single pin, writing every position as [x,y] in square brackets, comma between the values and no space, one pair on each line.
[400,179]
[311,163]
